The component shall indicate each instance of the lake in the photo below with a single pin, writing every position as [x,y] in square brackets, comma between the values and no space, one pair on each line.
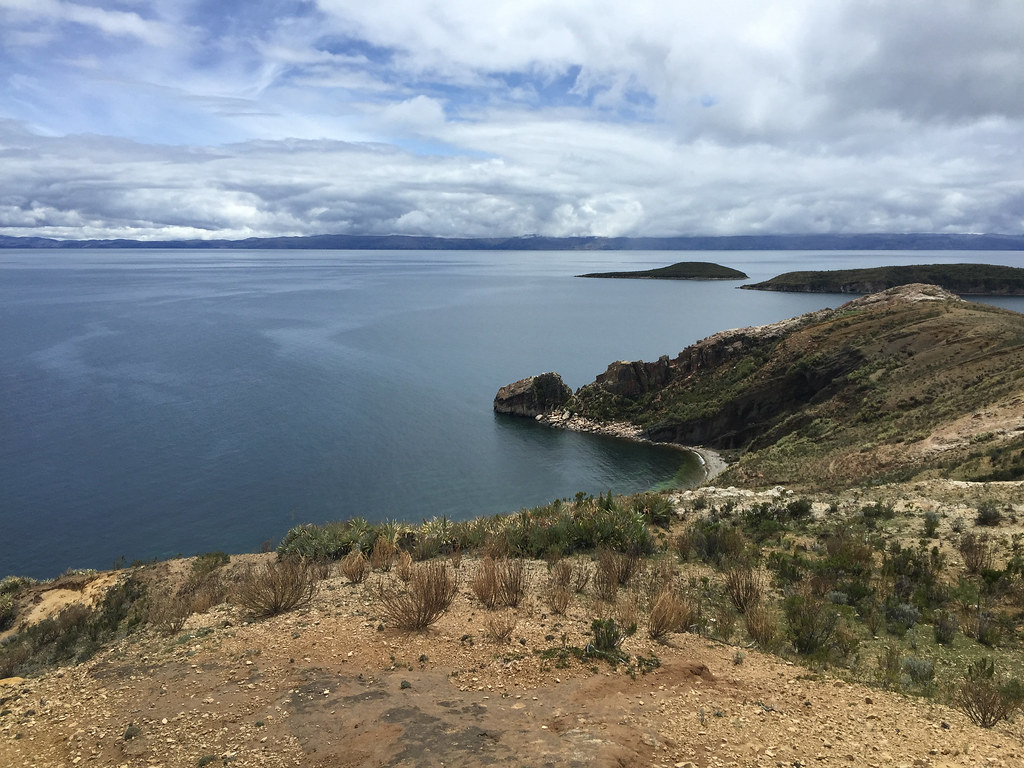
[174,402]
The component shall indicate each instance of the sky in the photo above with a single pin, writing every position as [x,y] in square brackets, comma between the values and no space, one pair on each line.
[160,119]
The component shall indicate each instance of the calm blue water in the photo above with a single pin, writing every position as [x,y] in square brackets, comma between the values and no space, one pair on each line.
[165,402]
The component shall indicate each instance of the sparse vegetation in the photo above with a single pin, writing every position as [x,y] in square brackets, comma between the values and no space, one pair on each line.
[985,698]
[501,625]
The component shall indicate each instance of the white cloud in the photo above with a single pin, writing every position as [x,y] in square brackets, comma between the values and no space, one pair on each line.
[110,22]
[550,116]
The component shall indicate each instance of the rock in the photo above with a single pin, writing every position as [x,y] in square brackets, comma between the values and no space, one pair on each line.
[633,379]
[534,396]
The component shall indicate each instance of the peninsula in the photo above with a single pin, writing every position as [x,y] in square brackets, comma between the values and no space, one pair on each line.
[889,387]
[963,279]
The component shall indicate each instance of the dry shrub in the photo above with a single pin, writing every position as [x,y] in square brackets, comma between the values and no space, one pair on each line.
[606,584]
[276,587]
[618,565]
[668,614]
[985,699]
[683,544]
[403,566]
[204,590]
[168,612]
[725,621]
[500,582]
[976,551]
[456,556]
[355,567]
[660,577]
[627,612]
[762,625]
[559,599]
[496,546]
[513,582]
[383,554]
[428,593]
[560,575]
[581,574]
[500,626]
[485,583]
[745,587]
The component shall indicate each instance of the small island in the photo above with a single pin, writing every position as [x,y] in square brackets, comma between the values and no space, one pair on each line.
[683,270]
[963,279]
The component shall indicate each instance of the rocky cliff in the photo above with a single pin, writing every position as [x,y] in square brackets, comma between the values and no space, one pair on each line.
[533,396]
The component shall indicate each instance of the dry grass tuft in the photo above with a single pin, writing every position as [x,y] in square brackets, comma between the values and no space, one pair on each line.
[762,625]
[403,566]
[669,613]
[355,567]
[500,626]
[745,587]
[500,582]
[276,587]
[428,593]
[383,554]
[559,599]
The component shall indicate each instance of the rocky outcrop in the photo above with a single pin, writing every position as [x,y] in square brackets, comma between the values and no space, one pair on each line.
[533,396]
[632,379]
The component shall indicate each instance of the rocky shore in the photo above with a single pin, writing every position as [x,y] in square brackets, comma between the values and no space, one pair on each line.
[713,462]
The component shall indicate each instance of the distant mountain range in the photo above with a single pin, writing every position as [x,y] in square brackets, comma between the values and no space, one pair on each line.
[865,242]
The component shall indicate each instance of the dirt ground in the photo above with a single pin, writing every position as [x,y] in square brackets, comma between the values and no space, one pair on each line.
[329,686]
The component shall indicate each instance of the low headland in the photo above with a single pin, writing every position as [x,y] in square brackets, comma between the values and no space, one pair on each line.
[850,590]
[962,279]
[681,270]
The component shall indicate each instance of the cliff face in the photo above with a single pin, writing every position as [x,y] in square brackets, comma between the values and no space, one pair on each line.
[533,396]
[835,396]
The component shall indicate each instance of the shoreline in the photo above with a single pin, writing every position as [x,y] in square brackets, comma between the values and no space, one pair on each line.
[711,460]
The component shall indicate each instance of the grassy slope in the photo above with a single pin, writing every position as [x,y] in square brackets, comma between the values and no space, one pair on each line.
[977,279]
[683,270]
[860,393]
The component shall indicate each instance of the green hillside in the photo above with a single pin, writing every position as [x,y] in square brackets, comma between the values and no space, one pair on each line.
[964,279]
[907,383]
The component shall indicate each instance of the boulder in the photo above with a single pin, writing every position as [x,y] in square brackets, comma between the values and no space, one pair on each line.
[533,396]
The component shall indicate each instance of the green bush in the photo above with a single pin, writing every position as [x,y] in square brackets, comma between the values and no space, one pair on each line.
[10,585]
[900,617]
[988,514]
[208,562]
[716,541]
[655,508]
[607,643]
[944,627]
[920,671]
[811,623]
[315,542]
[7,611]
